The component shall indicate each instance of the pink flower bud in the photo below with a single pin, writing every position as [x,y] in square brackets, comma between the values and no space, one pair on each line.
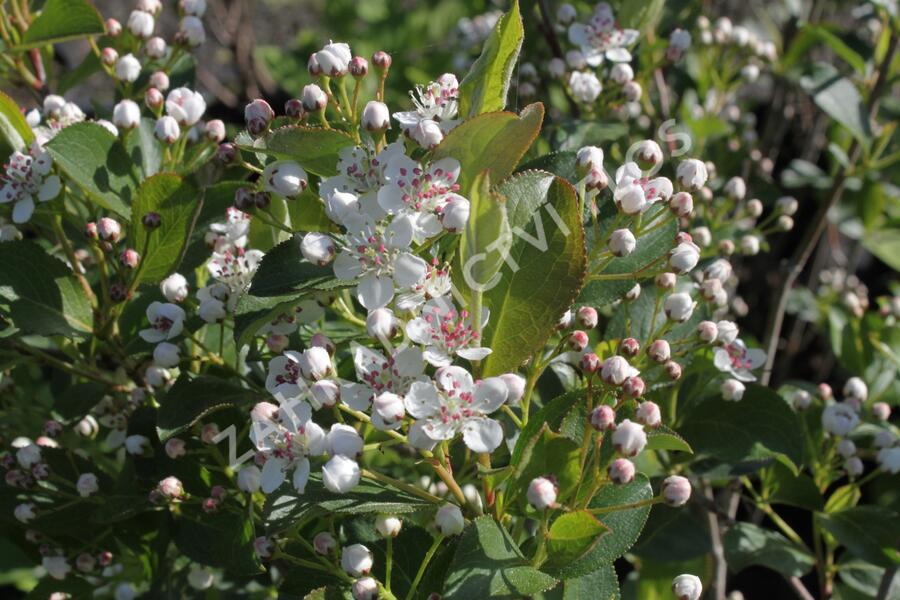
[227,153]
[153,98]
[359,67]
[648,414]
[732,390]
[129,258]
[260,112]
[293,108]
[113,28]
[263,547]
[324,543]
[682,204]
[881,411]
[621,471]
[630,347]
[381,60]
[276,342]
[590,363]
[824,391]
[633,387]
[707,331]
[673,370]
[587,317]
[215,131]
[629,438]
[209,433]
[210,505]
[616,370]
[151,221]
[622,242]
[159,80]
[314,98]
[603,417]
[170,488]
[85,562]
[376,117]
[542,493]
[109,229]
[578,340]
[659,351]
[676,490]
[666,281]
[109,56]
[317,248]
[175,448]
[91,231]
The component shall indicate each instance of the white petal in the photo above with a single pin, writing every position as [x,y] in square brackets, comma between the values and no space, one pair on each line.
[151,335]
[482,435]
[390,198]
[409,362]
[23,210]
[437,357]
[422,400]
[618,55]
[399,233]
[347,267]
[490,394]
[50,189]
[356,395]
[418,437]
[272,475]
[578,34]
[455,378]
[473,353]
[374,292]
[301,475]
[419,331]
[409,270]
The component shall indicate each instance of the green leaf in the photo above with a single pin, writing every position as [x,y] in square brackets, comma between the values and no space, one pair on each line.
[624,526]
[794,490]
[193,398]
[639,15]
[316,149]
[572,535]
[283,270]
[485,241]
[475,143]
[15,134]
[551,414]
[885,245]
[544,453]
[747,544]
[94,158]
[602,584]
[489,564]
[681,532]
[663,438]
[219,540]
[869,532]
[76,401]
[757,429]
[285,507]
[143,147]
[839,98]
[44,296]
[63,20]
[178,203]
[809,36]
[543,273]
[253,312]
[485,86]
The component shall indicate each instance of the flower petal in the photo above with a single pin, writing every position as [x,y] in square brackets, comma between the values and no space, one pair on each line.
[374,292]
[490,394]
[23,210]
[473,353]
[409,269]
[50,189]
[482,435]
[301,475]
[272,475]
[422,400]
[347,267]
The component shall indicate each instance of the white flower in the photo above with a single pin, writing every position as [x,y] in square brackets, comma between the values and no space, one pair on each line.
[340,474]
[249,478]
[687,587]
[629,438]
[676,490]
[191,31]
[57,567]
[421,192]
[679,306]
[436,283]
[232,234]
[364,589]
[542,493]
[27,179]
[317,248]
[839,419]
[728,332]
[436,103]
[684,257]
[387,411]
[589,158]
[286,436]
[286,372]
[889,459]
[692,174]
[622,242]
[381,324]
[616,370]
[738,360]
[200,578]
[87,484]
[446,333]
[635,192]
[234,269]
[141,24]
[732,390]
[856,389]
[186,106]
[602,38]
[166,355]
[167,129]
[449,520]
[457,404]
[585,86]
[24,512]
[356,560]
[377,374]
[376,116]
[378,258]
[174,287]
[193,7]
[621,73]
[334,59]
[166,322]
[388,525]
[128,68]
[846,448]
[360,177]
[127,114]
[344,440]
[750,245]
[285,178]
[136,444]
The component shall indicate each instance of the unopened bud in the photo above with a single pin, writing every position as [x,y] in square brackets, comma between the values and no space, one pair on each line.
[633,387]
[382,60]
[113,28]
[293,108]
[590,363]
[621,471]
[587,317]
[676,490]
[151,220]
[227,153]
[578,340]
[659,351]
[359,67]
[109,56]
[630,347]
[673,370]
[153,98]
[603,417]
[666,281]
